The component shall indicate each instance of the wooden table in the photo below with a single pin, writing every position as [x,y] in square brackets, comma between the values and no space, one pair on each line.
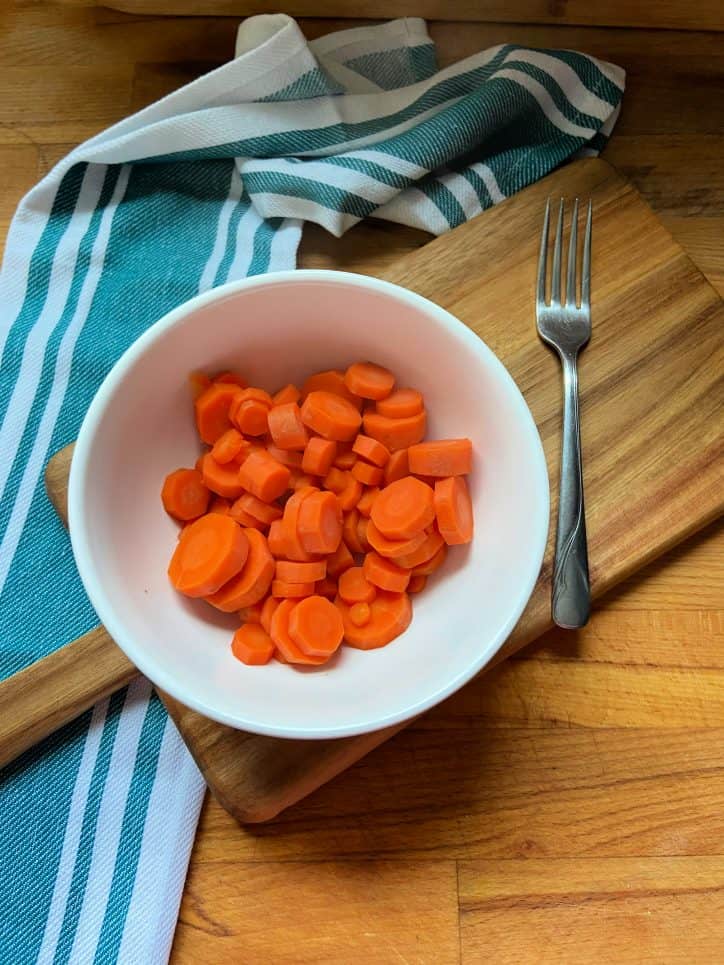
[568,807]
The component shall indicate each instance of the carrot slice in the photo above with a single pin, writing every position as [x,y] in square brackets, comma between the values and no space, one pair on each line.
[279,632]
[434,563]
[397,467]
[219,505]
[354,587]
[393,549]
[345,460]
[301,572]
[294,549]
[184,494]
[212,551]
[300,480]
[369,381]
[282,589]
[251,416]
[267,612]
[401,403]
[252,645]
[327,588]
[257,395]
[228,446]
[390,615]
[212,410]
[360,613]
[263,476]
[233,378]
[320,523]
[454,510]
[319,454]
[286,426]
[396,433]
[276,539]
[350,531]
[441,457]
[251,614]
[417,583]
[385,574]
[403,508]
[237,512]
[367,474]
[264,512]
[290,393]
[340,560]
[331,416]
[293,460]
[336,480]
[199,382]
[366,501]
[350,495]
[362,524]
[253,582]
[371,450]
[315,625]
[330,381]
[222,480]
[426,551]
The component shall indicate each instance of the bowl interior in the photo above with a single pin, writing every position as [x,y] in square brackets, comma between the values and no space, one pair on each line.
[276,330]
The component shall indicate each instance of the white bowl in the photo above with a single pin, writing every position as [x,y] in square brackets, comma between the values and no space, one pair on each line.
[276,329]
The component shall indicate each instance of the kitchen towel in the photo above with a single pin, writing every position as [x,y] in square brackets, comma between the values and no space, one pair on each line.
[210,184]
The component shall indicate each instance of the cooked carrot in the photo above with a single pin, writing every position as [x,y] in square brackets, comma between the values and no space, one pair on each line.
[396,433]
[327,588]
[403,508]
[290,393]
[315,625]
[354,587]
[212,551]
[281,589]
[252,645]
[222,480]
[320,523]
[366,473]
[336,480]
[264,512]
[369,381]
[184,494]
[245,450]
[200,460]
[251,614]
[293,460]
[397,467]
[340,560]
[454,510]
[276,539]
[350,531]
[279,632]
[252,583]
[331,416]
[417,583]
[251,416]
[371,450]
[294,550]
[319,454]
[263,476]
[228,446]
[345,460]
[257,395]
[286,426]
[424,552]
[393,549]
[434,563]
[385,574]
[301,480]
[267,611]
[350,495]
[219,505]
[366,500]
[362,524]
[212,410]
[441,457]
[244,518]
[401,403]
[199,383]
[330,381]
[233,378]
[390,615]
[360,613]
[292,572]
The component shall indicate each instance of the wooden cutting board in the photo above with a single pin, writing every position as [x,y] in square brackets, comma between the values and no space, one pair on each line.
[652,383]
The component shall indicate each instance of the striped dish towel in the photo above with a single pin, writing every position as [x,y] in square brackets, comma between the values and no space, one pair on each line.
[208,185]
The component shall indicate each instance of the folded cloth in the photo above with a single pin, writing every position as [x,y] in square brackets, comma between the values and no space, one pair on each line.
[210,184]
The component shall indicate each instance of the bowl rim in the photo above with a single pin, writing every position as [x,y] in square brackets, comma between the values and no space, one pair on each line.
[102,602]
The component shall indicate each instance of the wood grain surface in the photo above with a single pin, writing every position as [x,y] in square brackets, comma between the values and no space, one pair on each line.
[512,834]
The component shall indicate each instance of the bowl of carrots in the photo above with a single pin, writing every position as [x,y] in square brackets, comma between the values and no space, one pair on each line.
[310,504]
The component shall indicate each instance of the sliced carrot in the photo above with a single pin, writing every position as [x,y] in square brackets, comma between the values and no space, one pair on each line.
[276,539]
[454,510]
[252,645]
[330,381]
[315,625]
[397,467]
[362,524]
[263,476]
[184,494]
[267,612]
[233,378]
[251,416]
[264,512]
[393,549]
[294,550]
[286,426]
[385,574]
[417,583]
[396,433]
[212,410]
[252,583]
[441,457]
[369,381]
[336,480]
[257,395]
[290,393]
[340,560]
[219,505]
[199,383]
[222,480]
[331,416]
[212,551]
[401,403]
[354,587]
[366,473]
[390,615]
[200,460]
[319,454]
[293,460]
[350,531]
[281,589]
[371,450]
[360,613]
[320,523]
[403,508]
[426,551]
[279,632]
[245,450]
[345,460]
[326,588]
[292,572]
[244,518]
[434,563]
[366,500]
[251,614]
[350,495]
[228,446]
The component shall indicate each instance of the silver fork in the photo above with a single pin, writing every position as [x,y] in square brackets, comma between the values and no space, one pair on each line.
[566,327]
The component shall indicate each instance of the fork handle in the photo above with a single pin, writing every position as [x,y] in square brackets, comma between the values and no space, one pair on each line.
[571,600]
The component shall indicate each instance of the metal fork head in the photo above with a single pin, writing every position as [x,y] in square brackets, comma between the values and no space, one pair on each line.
[564,322]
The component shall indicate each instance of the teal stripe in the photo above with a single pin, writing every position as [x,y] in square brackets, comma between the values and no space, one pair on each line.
[569,111]
[315,83]
[478,185]
[325,195]
[377,172]
[591,76]
[263,238]
[243,205]
[444,200]
[397,67]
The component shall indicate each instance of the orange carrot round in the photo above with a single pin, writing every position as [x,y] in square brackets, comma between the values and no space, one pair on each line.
[286,426]
[401,403]
[354,587]
[326,588]
[350,495]
[320,523]
[434,563]
[441,457]
[315,625]
[390,615]
[212,410]
[264,512]
[345,460]
[290,393]
[331,416]
[251,416]
[277,539]
[233,378]
[279,632]
[360,613]
[302,480]
[267,612]
[340,560]
[393,548]
[396,433]
[366,500]
[251,614]
[331,380]
[350,531]
[281,589]
[263,476]
[199,382]
[454,510]
[397,467]
[362,524]
[292,572]
[251,584]
[371,450]
[336,480]
[367,474]
[252,645]
[184,494]
[319,454]
[385,574]
[222,480]
[294,549]
[417,583]
[228,446]
[212,551]
[426,551]
[369,381]
[403,508]
[219,505]
[287,457]
[237,512]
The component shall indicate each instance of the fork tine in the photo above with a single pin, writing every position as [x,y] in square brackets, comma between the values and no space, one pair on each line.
[543,256]
[572,248]
[556,277]
[586,269]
